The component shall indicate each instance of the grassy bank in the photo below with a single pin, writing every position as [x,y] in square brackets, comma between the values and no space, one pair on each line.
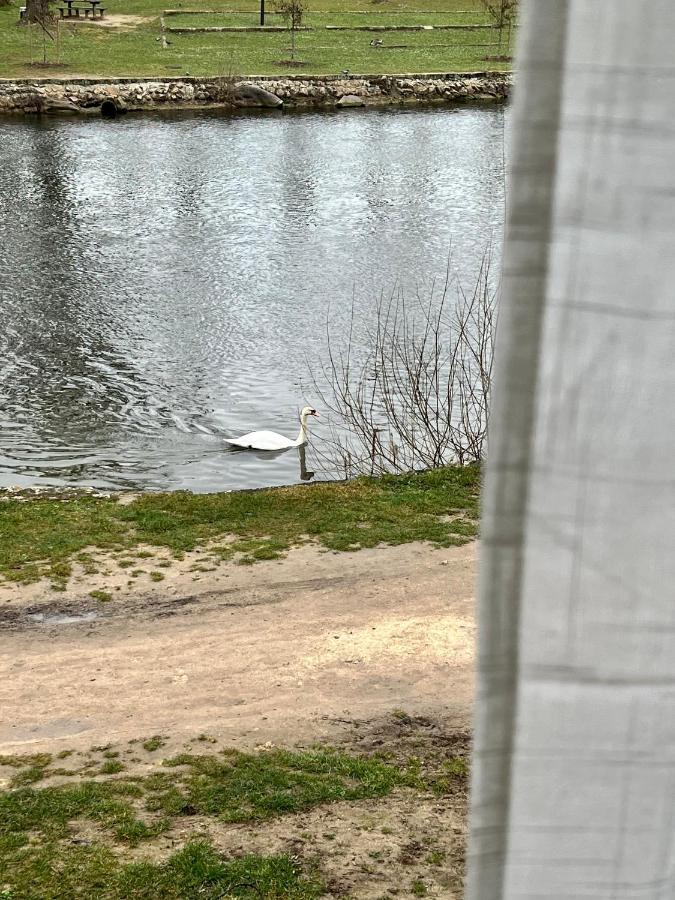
[44,537]
[136,821]
[126,42]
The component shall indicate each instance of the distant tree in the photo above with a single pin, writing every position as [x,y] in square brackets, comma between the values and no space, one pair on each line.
[504,13]
[292,12]
[39,13]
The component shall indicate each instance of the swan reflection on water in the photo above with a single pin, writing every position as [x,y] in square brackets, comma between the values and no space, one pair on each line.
[305,473]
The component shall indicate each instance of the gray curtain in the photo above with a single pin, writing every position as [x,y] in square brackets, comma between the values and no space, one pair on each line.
[574,763]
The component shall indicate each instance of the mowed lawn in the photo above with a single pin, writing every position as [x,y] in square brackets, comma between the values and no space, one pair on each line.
[128,43]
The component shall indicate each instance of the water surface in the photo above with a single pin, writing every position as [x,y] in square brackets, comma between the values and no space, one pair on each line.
[164,279]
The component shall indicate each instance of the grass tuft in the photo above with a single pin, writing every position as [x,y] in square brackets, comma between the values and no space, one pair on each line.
[246,787]
[112,767]
[27,776]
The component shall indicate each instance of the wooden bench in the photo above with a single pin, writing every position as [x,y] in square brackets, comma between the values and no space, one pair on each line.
[72,9]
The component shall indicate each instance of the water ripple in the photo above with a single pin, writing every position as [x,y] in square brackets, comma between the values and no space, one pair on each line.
[163,279]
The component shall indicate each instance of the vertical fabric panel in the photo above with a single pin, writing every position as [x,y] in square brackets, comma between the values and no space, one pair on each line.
[535,121]
[574,781]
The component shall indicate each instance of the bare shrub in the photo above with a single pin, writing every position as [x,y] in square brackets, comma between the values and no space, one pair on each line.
[222,86]
[415,392]
[292,13]
[504,14]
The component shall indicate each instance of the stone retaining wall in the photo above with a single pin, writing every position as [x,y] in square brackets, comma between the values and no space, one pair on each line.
[89,95]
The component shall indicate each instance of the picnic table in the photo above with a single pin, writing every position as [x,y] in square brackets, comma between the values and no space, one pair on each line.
[72,9]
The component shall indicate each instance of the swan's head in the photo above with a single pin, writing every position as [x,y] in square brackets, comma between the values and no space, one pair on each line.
[308,411]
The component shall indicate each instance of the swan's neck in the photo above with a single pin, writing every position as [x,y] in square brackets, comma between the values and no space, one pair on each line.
[302,437]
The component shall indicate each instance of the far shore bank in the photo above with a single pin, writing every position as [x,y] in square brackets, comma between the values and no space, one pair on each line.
[113,96]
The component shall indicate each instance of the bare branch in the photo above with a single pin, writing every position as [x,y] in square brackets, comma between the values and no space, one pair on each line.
[416,393]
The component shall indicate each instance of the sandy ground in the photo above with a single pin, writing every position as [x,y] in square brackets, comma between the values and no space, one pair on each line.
[370,651]
[284,651]
[116,20]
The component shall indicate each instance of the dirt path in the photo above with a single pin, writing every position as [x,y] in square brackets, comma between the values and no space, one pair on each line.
[116,20]
[285,651]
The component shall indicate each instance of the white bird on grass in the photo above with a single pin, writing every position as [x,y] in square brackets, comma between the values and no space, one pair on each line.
[270,440]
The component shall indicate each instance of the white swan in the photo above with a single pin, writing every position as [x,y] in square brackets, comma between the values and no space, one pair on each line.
[270,440]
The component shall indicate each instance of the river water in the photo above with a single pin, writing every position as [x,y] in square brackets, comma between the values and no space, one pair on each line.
[167,280]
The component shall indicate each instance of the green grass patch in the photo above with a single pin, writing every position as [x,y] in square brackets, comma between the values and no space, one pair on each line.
[42,853]
[243,787]
[153,743]
[38,538]
[46,812]
[94,873]
[132,48]
[318,19]
[39,858]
